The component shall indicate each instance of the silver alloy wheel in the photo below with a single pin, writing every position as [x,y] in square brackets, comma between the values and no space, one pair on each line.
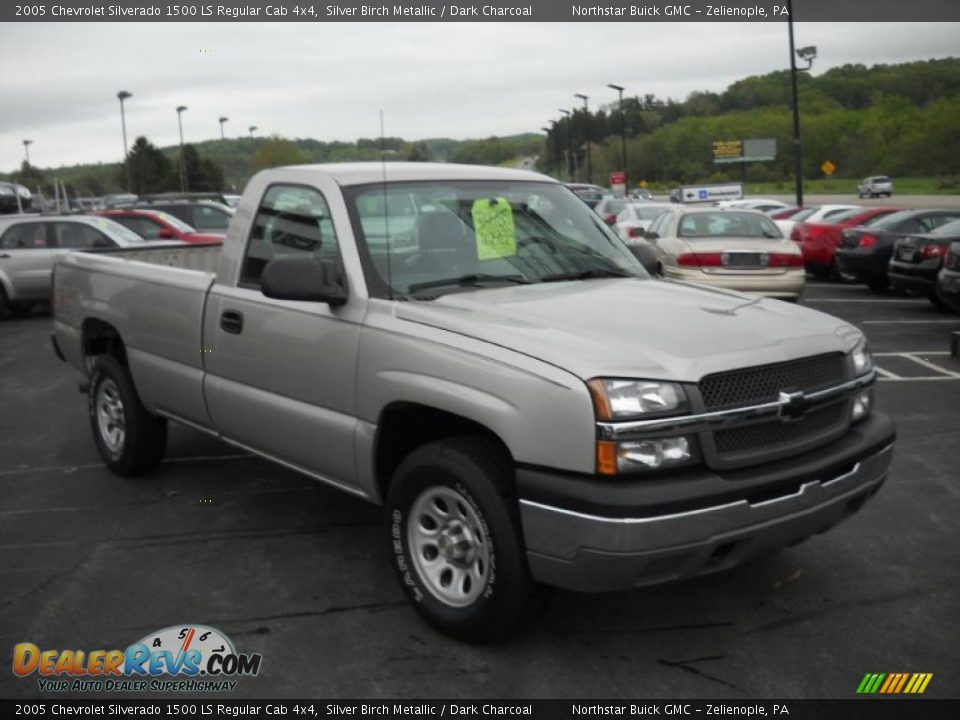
[449,546]
[110,416]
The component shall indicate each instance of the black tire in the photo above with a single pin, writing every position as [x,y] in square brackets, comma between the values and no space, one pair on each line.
[819,272]
[877,283]
[477,471]
[4,304]
[142,438]
[937,302]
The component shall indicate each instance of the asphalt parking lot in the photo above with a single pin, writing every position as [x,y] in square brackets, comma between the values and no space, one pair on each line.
[299,572]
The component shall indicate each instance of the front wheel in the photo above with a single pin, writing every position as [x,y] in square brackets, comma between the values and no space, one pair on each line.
[130,440]
[456,539]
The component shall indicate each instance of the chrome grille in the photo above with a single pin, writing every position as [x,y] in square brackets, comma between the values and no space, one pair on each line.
[780,435]
[761,384]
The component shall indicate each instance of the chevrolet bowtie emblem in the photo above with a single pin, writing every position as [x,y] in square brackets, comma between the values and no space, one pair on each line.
[793,405]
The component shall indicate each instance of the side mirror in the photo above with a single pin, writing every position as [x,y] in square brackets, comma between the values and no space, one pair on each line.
[651,236]
[303,278]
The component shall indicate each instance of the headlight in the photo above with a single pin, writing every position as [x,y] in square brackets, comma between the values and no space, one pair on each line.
[862,361]
[631,399]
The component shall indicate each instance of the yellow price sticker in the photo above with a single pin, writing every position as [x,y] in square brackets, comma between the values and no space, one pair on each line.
[494,228]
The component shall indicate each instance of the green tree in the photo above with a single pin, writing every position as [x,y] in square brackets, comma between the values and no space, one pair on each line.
[203,174]
[150,170]
[277,152]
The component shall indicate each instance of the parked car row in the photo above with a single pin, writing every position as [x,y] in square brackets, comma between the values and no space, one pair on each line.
[29,244]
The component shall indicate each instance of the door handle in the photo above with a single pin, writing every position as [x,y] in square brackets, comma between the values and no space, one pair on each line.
[232,322]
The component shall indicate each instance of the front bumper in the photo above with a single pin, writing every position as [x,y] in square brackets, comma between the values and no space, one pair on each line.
[593,534]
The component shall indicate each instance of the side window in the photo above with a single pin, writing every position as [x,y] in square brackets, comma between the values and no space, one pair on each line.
[209,218]
[141,226]
[933,222]
[291,221]
[79,236]
[25,236]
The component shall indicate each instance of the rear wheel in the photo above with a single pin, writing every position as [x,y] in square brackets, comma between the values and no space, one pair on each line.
[878,283]
[456,539]
[130,440]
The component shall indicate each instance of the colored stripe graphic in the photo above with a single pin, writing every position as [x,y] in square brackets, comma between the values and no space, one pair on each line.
[894,683]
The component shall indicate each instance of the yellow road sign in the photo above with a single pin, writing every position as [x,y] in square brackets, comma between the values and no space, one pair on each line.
[828,168]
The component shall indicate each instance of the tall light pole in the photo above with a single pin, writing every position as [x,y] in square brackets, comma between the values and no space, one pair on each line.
[623,135]
[183,168]
[26,149]
[121,96]
[569,141]
[586,131]
[222,121]
[806,54]
[549,153]
[252,129]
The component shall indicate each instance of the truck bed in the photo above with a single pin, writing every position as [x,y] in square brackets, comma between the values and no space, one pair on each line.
[154,299]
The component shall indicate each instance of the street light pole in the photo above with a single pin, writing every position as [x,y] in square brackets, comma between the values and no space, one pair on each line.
[623,135]
[183,169]
[807,54]
[586,131]
[569,141]
[222,121]
[26,149]
[252,128]
[549,153]
[121,96]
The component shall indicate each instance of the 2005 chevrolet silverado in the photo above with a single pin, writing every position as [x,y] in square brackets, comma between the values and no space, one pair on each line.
[474,349]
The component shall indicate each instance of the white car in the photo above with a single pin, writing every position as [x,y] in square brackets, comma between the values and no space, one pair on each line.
[875,186]
[761,204]
[817,213]
[636,217]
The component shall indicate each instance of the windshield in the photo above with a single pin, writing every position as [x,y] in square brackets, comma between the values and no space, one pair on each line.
[115,230]
[727,224]
[172,221]
[648,212]
[450,236]
[951,228]
[803,214]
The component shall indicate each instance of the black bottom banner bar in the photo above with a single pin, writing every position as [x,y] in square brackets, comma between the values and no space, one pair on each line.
[865,708]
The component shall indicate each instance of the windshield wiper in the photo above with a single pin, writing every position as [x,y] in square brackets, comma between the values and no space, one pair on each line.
[477,279]
[587,275]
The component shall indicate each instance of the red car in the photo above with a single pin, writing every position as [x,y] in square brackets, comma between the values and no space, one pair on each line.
[819,240]
[158,225]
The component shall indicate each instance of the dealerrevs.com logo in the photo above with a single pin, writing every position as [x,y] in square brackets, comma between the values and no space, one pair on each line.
[181,658]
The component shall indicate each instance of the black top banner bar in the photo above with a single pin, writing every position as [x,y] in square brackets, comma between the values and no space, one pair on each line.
[498,11]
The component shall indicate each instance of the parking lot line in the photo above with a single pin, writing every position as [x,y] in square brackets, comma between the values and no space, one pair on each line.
[932,366]
[912,322]
[887,375]
[867,300]
[911,352]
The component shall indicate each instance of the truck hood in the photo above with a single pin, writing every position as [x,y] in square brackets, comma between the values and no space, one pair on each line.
[635,328]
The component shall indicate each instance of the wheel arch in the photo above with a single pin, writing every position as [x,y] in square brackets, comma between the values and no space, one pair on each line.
[404,426]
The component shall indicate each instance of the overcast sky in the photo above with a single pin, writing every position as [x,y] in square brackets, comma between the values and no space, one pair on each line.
[58,81]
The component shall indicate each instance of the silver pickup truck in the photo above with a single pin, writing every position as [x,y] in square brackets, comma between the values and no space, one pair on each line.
[475,350]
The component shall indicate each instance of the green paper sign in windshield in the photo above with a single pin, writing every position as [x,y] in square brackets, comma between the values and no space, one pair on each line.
[494,228]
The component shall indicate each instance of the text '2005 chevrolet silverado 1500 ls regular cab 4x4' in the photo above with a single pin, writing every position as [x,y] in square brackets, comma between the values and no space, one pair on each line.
[474,349]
